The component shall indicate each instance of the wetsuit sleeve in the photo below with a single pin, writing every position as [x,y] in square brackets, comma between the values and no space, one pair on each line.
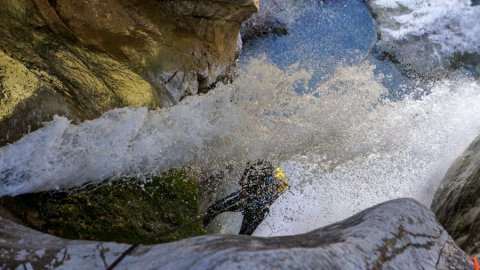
[232,202]
[252,218]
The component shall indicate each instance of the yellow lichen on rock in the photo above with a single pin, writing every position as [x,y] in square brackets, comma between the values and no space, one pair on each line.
[130,88]
[17,8]
[104,83]
[17,84]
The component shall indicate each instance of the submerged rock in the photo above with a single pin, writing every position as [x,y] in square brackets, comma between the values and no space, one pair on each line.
[427,37]
[149,211]
[272,18]
[82,58]
[400,234]
[457,200]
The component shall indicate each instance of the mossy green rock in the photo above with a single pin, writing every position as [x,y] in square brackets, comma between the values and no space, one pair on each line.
[155,210]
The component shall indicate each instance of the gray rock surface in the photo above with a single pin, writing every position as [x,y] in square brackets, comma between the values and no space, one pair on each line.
[24,248]
[400,234]
[457,200]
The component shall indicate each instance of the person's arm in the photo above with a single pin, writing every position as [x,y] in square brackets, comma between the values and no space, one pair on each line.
[232,202]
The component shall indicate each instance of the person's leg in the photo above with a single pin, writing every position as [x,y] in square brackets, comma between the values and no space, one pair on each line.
[252,217]
[232,202]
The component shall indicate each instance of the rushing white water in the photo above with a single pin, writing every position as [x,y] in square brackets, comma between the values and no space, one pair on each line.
[231,121]
[452,25]
[427,34]
[343,144]
[410,145]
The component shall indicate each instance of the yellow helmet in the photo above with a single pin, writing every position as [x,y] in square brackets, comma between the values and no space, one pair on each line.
[283,182]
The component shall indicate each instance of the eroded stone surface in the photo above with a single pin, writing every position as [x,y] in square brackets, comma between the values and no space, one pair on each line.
[457,200]
[21,246]
[195,40]
[400,234]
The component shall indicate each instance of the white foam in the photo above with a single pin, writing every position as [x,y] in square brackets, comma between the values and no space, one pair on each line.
[230,121]
[432,30]
[408,147]
[344,147]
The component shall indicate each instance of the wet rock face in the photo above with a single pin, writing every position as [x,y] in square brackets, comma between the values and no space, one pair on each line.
[127,211]
[457,200]
[400,234]
[82,58]
[180,46]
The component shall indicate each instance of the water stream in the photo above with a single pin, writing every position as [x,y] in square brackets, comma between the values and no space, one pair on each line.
[350,130]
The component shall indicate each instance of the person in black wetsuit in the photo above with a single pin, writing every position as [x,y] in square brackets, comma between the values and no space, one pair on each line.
[262,184]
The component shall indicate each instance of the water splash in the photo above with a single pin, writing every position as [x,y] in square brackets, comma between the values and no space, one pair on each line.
[343,144]
[408,146]
[451,25]
[258,116]
[428,36]
[321,34]
[231,121]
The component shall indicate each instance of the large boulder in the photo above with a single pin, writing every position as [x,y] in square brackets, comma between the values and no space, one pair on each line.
[82,58]
[457,200]
[400,234]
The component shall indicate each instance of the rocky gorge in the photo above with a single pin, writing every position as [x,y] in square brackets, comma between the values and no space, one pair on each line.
[81,59]
[359,105]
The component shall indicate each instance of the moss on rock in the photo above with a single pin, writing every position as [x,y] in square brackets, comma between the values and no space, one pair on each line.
[155,210]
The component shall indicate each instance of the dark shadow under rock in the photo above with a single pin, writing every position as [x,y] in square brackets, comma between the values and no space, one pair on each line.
[251,31]
[400,234]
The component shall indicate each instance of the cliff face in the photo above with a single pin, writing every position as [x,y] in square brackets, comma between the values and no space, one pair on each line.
[82,58]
